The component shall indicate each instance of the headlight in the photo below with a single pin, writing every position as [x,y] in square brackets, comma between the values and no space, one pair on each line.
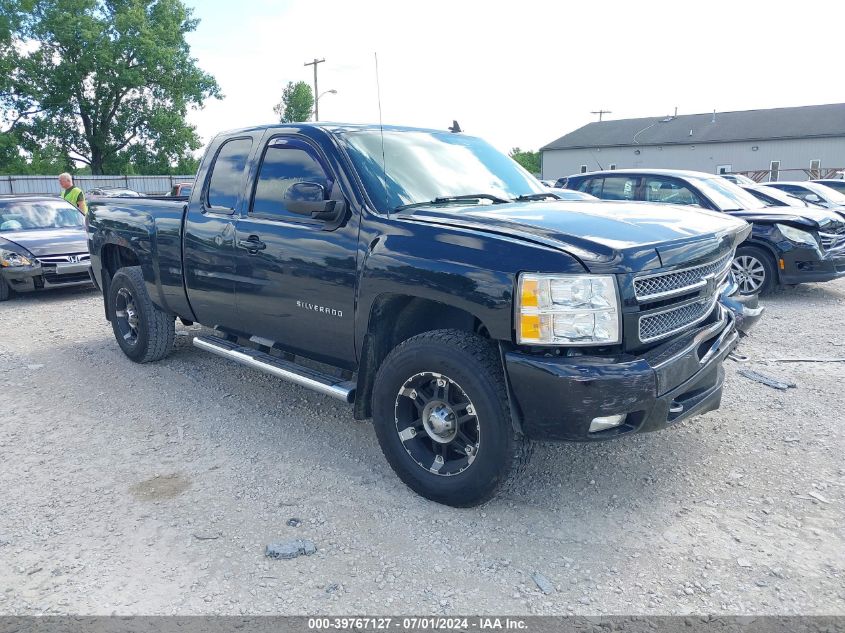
[567,310]
[797,235]
[9,259]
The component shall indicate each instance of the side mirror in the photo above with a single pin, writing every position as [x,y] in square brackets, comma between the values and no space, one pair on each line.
[811,197]
[305,198]
[309,198]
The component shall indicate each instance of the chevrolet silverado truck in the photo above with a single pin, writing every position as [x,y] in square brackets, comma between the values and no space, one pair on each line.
[429,281]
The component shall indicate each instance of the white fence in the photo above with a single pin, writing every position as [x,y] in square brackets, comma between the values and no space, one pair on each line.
[49,185]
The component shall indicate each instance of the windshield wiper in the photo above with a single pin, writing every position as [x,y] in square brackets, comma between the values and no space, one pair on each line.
[448,199]
[537,196]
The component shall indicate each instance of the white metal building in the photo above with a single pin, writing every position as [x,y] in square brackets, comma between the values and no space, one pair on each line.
[776,144]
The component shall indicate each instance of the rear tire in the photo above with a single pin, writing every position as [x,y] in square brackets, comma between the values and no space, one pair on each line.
[441,415]
[144,332]
[5,291]
[754,270]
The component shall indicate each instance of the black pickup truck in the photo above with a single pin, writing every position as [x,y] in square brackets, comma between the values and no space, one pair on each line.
[427,279]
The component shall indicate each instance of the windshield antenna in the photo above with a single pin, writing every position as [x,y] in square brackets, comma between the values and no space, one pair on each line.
[381,129]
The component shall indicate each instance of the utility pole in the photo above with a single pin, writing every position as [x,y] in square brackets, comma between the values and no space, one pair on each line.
[316,105]
[601,112]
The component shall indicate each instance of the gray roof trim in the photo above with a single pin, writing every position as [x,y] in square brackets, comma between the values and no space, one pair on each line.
[821,121]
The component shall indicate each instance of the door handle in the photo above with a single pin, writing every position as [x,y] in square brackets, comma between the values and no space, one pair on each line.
[253,244]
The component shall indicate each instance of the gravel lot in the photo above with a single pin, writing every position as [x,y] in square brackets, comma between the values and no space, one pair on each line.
[153,489]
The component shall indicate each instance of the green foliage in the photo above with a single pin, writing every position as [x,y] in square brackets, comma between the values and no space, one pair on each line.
[529,160]
[16,159]
[105,82]
[297,103]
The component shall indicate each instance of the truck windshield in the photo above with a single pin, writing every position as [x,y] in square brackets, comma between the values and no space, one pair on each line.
[420,166]
[41,214]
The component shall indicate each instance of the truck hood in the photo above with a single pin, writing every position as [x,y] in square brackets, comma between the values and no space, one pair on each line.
[43,242]
[605,236]
[803,217]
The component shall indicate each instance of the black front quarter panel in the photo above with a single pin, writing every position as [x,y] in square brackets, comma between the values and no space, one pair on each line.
[467,269]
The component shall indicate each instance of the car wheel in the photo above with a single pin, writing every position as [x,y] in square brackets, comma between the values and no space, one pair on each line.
[442,418]
[754,270]
[144,332]
[5,291]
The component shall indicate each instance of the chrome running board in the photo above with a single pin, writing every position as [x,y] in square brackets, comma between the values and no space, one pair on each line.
[297,374]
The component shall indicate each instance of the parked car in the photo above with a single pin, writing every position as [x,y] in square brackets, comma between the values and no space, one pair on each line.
[455,302]
[772,197]
[182,189]
[834,183]
[786,246]
[42,245]
[547,183]
[811,192]
[114,192]
[738,179]
[569,194]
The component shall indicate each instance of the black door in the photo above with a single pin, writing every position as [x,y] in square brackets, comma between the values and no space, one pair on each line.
[296,276]
[209,238]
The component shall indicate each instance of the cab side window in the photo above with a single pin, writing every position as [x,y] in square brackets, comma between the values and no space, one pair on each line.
[669,191]
[285,163]
[227,175]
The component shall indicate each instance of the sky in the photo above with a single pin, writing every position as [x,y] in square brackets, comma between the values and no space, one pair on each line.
[519,73]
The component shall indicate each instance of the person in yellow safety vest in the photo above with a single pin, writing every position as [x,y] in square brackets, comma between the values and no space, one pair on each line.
[71,193]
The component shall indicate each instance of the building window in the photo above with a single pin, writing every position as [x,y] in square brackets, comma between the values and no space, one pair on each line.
[583,169]
[724,169]
[774,171]
[815,169]
[612,166]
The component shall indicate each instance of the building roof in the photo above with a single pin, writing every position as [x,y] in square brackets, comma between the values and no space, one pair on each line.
[744,125]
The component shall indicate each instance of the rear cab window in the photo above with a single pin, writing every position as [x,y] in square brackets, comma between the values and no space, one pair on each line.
[227,175]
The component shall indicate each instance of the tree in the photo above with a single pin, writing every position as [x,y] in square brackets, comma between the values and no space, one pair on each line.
[529,160]
[297,103]
[101,80]
[16,158]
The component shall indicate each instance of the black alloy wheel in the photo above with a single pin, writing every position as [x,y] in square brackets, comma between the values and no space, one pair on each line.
[437,424]
[126,316]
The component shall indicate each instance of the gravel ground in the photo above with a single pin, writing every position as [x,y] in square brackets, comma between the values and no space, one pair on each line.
[154,489]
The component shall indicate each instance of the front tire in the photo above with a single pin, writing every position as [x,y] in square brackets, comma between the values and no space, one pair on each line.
[754,271]
[5,291]
[144,332]
[442,418]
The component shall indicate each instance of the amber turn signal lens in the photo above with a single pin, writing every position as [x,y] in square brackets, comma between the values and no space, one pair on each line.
[529,327]
[529,294]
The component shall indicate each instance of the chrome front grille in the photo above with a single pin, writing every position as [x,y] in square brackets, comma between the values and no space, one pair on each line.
[833,238]
[72,258]
[672,320]
[678,282]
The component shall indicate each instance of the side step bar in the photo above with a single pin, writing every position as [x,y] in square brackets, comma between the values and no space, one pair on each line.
[297,374]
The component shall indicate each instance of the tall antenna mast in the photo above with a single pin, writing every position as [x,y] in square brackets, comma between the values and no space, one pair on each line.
[381,129]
